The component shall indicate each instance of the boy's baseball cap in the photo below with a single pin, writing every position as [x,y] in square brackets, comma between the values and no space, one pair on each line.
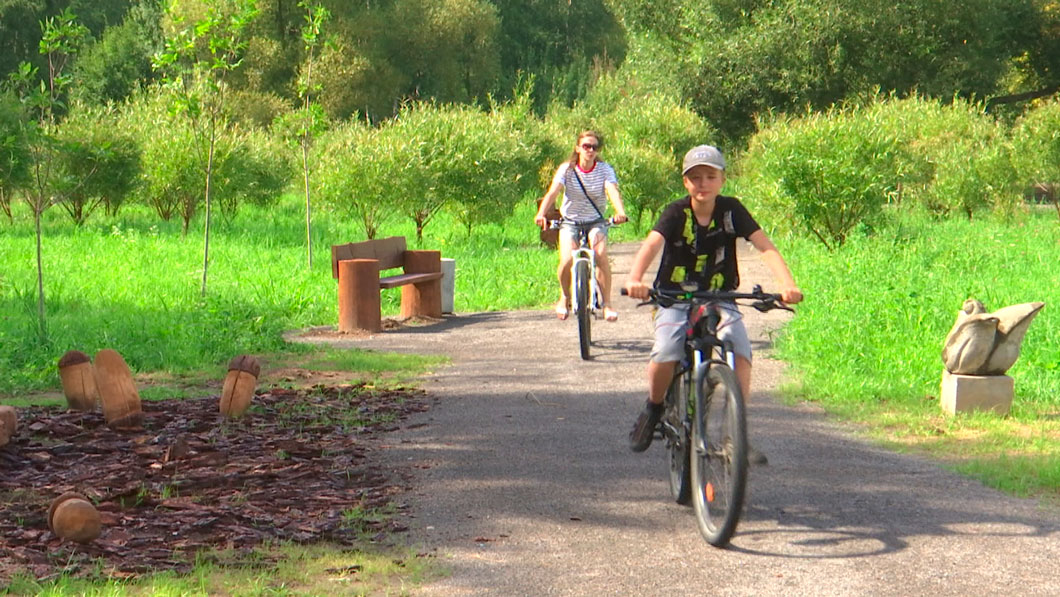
[703,155]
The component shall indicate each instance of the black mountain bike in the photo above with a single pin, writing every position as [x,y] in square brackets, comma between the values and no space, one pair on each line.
[704,421]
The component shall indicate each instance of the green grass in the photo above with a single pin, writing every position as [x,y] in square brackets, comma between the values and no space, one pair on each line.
[270,571]
[133,284]
[867,341]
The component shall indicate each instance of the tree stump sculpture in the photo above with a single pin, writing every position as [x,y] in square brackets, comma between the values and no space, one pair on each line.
[239,385]
[8,424]
[74,518]
[79,382]
[117,392]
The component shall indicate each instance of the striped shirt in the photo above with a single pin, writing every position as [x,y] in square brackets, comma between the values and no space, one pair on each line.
[576,205]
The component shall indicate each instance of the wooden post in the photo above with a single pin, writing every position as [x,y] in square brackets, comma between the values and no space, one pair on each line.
[117,391]
[423,299]
[359,307]
[79,384]
[8,424]
[238,388]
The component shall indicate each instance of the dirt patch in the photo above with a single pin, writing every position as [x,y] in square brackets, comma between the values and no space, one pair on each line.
[388,323]
[298,468]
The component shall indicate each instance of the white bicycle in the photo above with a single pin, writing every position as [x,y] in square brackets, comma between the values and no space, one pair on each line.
[588,300]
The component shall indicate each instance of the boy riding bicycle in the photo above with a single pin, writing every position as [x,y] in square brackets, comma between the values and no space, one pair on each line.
[697,235]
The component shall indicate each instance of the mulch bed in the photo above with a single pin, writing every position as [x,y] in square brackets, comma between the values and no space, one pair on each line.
[193,480]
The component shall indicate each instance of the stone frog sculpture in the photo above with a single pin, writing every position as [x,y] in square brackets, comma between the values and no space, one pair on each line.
[982,343]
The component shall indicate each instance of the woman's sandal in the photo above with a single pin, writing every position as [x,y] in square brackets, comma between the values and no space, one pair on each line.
[610,314]
[562,311]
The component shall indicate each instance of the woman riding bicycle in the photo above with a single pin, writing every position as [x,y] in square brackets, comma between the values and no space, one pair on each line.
[698,237]
[587,184]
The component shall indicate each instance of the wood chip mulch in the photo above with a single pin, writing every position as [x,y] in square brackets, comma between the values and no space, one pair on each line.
[291,470]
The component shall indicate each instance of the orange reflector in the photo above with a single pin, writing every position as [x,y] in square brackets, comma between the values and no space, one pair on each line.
[708,491]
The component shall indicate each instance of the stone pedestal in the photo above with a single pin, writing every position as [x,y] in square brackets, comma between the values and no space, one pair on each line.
[965,393]
[448,284]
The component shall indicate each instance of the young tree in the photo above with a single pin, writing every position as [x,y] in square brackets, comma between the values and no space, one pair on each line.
[195,64]
[306,123]
[45,103]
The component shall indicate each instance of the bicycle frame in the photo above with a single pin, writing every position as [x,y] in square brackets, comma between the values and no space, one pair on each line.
[585,253]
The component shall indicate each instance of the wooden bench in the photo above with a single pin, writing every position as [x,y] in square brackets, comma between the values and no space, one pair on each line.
[357,267]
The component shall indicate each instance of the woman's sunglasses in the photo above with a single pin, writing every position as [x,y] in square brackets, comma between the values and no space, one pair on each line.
[590,146]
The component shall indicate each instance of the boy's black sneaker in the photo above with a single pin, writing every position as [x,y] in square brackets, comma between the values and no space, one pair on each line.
[644,429]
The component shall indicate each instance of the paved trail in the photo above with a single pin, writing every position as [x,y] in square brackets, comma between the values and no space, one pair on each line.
[524,483]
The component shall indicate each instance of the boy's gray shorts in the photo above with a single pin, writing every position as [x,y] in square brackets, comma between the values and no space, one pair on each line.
[671,324]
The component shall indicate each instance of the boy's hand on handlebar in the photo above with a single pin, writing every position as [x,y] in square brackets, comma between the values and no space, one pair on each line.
[791,295]
[637,290]
[620,219]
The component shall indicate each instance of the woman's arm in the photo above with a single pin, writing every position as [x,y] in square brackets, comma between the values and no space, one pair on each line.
[547,202]
[611,189]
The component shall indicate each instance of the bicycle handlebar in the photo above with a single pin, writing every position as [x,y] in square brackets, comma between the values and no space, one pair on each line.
[554,224]
[763,301]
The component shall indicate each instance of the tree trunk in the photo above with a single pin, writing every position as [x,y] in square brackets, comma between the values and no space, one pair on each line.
[206,225]
[42,327]
[305,176]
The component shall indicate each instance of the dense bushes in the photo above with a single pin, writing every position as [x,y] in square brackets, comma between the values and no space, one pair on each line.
[824,174]
[833,172]
[1036,148]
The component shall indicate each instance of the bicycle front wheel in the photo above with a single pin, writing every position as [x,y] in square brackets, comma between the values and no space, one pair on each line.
[719,457]
[581,295]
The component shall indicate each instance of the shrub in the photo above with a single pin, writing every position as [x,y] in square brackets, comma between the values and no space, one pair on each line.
[1035,144]
[98,164]
[353,175]
[828,172]
[952,158]
[471,163]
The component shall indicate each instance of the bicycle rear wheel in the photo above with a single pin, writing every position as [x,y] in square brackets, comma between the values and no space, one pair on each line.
[719,458]
[676,431]
[581,295]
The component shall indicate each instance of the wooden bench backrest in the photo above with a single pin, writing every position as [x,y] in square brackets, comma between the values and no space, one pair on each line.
[390,252]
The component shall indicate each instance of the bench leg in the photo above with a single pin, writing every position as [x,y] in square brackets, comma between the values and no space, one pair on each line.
[359,307]
[422,300]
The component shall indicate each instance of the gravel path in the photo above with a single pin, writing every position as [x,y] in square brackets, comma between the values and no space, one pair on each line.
[524,483]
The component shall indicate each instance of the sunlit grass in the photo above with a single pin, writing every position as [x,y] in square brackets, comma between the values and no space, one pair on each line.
[284,570]
[133,284]
[867,341]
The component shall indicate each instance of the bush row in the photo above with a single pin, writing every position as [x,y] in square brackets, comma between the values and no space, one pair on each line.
[827,174]
[472,163]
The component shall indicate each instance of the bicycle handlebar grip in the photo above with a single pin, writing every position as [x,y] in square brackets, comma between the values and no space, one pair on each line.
[623,292]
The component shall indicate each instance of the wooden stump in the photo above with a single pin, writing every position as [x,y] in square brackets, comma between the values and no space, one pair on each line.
[79,382]
[74,518]
[423,299]
[239,385]
[359,295]
[117,392]
[8,424]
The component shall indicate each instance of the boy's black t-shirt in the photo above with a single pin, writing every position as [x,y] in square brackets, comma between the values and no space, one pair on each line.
[698,254]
